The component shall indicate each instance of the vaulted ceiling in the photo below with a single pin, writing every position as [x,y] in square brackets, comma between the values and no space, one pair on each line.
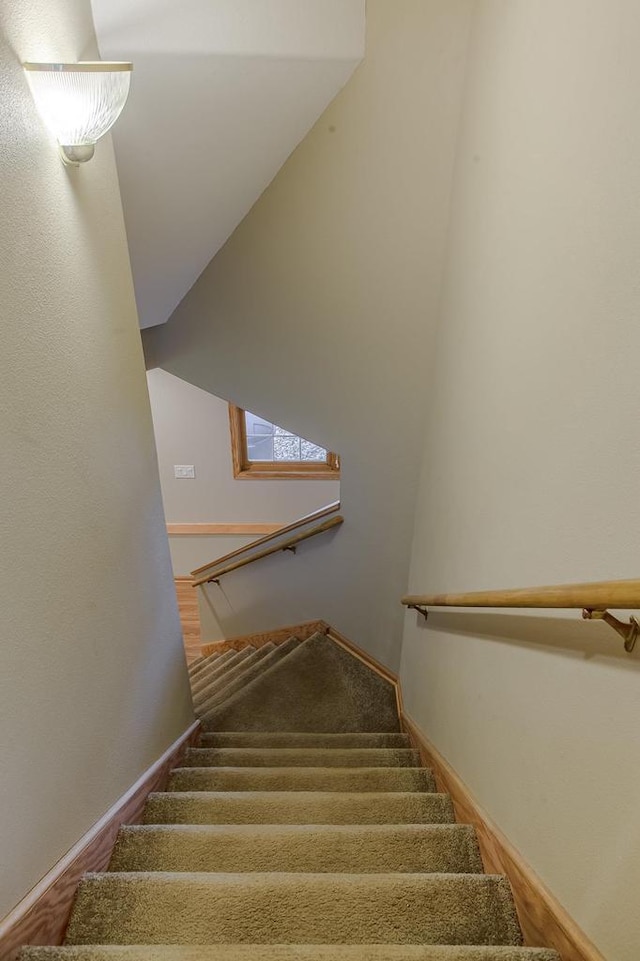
[222,92]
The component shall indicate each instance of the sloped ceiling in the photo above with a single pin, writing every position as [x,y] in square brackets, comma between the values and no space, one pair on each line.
[222,92]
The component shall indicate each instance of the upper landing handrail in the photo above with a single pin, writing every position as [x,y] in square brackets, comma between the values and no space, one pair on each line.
[287,545]
[594,599]
[300,522]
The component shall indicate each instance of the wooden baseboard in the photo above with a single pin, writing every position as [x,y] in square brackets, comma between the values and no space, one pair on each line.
[277,636]
[42,916]
[544,921]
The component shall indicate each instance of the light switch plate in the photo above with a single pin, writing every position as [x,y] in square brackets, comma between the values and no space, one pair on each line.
[184,471]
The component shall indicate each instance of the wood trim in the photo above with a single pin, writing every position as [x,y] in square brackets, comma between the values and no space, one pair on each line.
[300,522]
[42,915]
[244,529]
[189,612]
[244,469]
[597,596]
[238,439]
[280,546]
[278,636]
[544,921]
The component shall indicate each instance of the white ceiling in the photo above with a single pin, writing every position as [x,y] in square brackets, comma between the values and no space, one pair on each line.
[222,92]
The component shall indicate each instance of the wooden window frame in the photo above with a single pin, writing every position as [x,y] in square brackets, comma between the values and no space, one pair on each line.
[244,469]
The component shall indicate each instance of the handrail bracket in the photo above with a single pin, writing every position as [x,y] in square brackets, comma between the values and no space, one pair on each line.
[421,610]
[629,632]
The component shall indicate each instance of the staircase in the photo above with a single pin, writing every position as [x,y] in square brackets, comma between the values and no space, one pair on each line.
[303,828]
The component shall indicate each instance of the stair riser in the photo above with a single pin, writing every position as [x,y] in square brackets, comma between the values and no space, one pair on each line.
[287,952]
[221,695]
[232,676]
[305,849]
[209,661]
[285,739]
[301,757]
[301,779]
[217,672]
[298,808]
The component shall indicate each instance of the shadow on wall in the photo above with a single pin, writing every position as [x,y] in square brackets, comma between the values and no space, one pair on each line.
[560,635]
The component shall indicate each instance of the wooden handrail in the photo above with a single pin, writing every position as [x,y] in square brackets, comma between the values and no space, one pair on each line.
[594,598]
[301,522]
[287,545]
[598,595]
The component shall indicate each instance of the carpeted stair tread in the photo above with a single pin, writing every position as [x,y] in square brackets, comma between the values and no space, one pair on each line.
[256,654]
[301,757]
[450,848]
[231,686]
[300,739]
[300,779]
[220,697]
[301,828]
[209,661]
[206,691]
[320,687]
[200,661]
[287,952]
[196,662]
[216,672]
[290,807]
[216,695]
[170,908]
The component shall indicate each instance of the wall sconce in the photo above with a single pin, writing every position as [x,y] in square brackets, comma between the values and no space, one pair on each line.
[79,102]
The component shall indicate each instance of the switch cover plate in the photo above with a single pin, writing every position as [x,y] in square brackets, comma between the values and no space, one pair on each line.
[184,471]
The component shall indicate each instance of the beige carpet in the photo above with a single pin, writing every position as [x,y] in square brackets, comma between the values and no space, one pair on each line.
[325,842]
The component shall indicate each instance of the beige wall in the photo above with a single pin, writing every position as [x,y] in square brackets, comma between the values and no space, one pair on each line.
[191,426]
[92,678]
[531,468]
[319,311]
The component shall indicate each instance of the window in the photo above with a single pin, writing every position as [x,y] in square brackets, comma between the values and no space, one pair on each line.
[260,449]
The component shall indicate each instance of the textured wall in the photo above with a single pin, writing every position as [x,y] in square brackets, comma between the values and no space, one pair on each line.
[92,679]
[191,426]
[532,465]
[319,310]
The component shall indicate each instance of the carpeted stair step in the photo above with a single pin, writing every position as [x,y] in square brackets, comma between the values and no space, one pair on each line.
[217,671]
[196,662]
[450,848]
[254,672]
[208,661]
[300,779]
[273,653]
[289,807]
[255,654]
[207,691]
[318,687]
[287,952]
[170,908]
[300,739]
[300,757]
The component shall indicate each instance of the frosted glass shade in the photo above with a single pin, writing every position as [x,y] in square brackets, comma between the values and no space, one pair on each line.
[79,102]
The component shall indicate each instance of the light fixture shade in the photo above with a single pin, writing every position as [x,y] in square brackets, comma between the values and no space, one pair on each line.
[79,102]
